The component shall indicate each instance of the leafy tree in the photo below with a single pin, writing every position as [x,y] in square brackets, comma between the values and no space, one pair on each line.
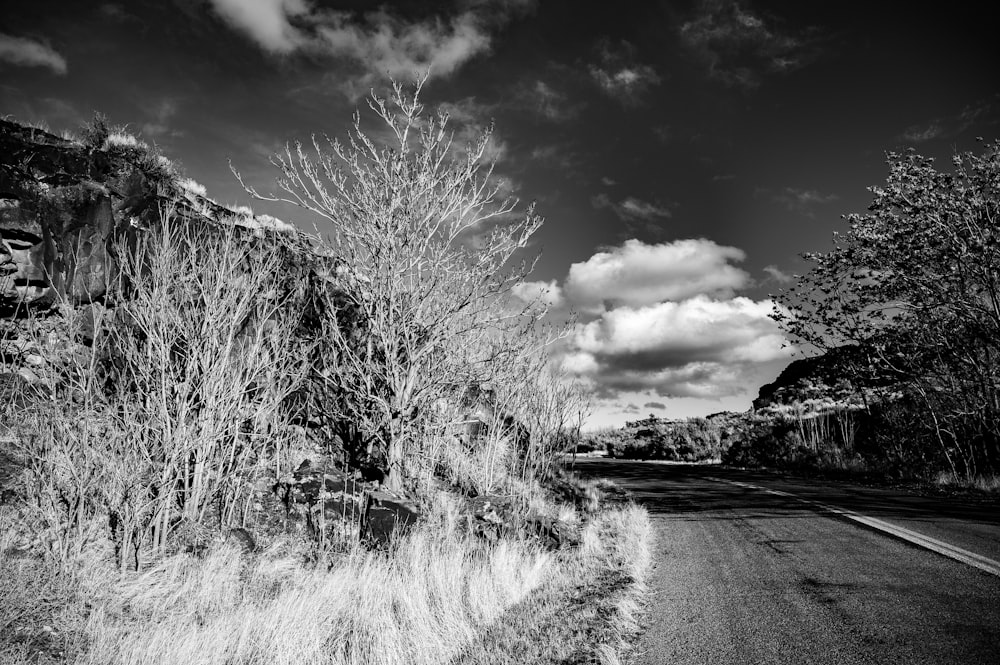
[914,288]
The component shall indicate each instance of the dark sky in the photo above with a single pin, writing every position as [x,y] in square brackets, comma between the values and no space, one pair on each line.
[683,153]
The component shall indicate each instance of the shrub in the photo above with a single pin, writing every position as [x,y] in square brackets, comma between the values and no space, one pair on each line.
[179,401]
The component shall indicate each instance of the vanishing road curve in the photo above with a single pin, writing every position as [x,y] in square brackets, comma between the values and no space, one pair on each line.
[755,568]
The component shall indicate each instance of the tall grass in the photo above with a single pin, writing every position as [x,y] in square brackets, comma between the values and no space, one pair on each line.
[589,608]
[437,596]
[421,603]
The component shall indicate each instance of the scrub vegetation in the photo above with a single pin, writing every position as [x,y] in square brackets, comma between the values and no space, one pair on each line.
[199,457]
[652,438]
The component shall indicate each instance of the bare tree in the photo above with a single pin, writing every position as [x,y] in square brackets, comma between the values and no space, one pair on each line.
[428,245]
[202,360]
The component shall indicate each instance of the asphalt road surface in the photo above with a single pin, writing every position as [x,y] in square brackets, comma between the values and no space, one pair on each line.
[746,576]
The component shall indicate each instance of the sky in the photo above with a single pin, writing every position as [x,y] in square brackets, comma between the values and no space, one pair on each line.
[683,154]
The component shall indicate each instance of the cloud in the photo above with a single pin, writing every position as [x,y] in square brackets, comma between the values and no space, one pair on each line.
[948,126]
[619,75]
[545,293]
[469,119]
[918,134]
[378,42]
[543,153]
[550,103]
[675,334]
[637,274]
[664,133]
[699,347]
[267,22]
[383,43]
[27,52]
[740,46]
[161,114]
[779,275]
[654,405]
[802,200]
[665,320]
[632,208]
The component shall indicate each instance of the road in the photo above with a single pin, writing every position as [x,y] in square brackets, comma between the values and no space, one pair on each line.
[746,576]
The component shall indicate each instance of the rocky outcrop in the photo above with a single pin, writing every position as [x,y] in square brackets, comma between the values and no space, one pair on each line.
[324,500]
[63,201]
[317,495]
[64,205]
[821,373]
[56,219]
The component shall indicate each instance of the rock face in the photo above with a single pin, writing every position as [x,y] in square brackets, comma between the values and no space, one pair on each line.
[56,219]
[62,202]
[317,496]
[823,370]
[324,499]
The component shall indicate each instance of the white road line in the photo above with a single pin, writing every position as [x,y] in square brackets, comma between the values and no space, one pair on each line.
[910,536]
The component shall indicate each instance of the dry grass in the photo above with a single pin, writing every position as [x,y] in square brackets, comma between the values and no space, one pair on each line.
[423,602]
[420,605]
[436,597]
[984,483]
[589,608]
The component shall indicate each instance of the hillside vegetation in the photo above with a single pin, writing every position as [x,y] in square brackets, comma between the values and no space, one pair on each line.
[906,308]
[227,441]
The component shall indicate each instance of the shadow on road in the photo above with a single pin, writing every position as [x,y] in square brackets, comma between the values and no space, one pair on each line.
[687,492]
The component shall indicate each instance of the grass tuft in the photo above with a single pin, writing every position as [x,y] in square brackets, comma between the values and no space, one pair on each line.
[989,483]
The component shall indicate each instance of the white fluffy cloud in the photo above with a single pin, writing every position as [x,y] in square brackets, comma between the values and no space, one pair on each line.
[637,274]
[665,319]
[26,52]
[678,333]
[700,347]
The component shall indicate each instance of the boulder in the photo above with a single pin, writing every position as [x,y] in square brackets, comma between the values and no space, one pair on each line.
[492,517]
[552,533]
[321,496]
[242,539]
[387,515]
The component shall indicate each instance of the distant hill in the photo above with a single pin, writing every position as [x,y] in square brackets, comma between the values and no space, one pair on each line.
[805,377]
